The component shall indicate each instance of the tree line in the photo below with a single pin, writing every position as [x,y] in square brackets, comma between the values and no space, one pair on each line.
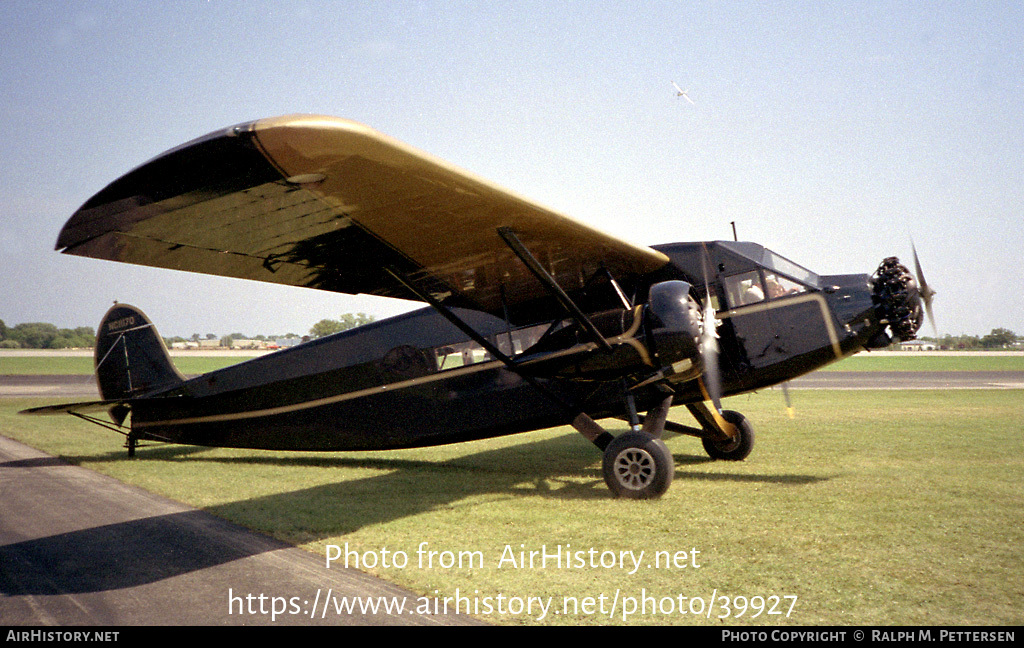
[998,338]
[41,335]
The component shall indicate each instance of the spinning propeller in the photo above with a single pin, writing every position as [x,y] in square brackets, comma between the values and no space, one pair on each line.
[709,353]
[924,290]
[712,378]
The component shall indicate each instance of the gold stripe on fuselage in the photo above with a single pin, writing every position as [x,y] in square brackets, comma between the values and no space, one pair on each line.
[319,402]
[626,338]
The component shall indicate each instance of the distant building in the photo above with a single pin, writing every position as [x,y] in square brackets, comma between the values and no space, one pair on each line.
[918,345]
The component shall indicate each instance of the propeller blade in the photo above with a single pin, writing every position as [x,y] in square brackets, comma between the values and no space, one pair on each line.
[709,346]
[709,352]
[926,292]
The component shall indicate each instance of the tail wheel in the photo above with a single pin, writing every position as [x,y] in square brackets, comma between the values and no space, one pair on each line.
[737,449]
[638,466]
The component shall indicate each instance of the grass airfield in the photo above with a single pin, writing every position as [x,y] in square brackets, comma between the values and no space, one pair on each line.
[868,507]
[80,362]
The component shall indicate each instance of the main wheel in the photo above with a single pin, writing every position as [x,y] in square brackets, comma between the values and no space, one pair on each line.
[738,448]
[638,466]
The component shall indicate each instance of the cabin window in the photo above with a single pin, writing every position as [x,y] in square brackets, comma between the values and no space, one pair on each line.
[777,286]
[743,289]
[522,339]
[463,354]
[748,288]
[782,264]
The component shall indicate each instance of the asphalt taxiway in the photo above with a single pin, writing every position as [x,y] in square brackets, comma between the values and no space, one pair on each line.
[79,548]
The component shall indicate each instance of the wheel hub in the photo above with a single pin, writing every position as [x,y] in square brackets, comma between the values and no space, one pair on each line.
[634,468]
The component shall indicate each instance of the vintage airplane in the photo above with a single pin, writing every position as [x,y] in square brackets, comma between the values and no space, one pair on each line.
[533,320]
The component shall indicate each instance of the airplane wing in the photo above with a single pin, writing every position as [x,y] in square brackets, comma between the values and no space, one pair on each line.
[331,204]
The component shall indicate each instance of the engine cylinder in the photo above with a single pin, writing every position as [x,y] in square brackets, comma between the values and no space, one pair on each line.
[897,299]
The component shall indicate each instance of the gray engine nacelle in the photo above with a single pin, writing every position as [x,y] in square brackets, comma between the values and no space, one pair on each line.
[673,330]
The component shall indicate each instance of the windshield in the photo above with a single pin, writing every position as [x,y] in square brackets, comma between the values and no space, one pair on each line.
[787,267]
[777,277]
[771,261]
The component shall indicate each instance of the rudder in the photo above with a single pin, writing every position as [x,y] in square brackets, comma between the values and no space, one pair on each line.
[131,357]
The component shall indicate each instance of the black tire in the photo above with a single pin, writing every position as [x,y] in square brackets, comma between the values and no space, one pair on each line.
[638,466]
[738,448]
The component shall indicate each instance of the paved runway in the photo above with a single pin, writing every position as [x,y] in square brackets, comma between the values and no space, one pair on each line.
[79,548]
[84,387]
[59,387]
[910,380]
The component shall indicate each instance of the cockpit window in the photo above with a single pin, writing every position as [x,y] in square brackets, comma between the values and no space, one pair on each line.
[782,264]
[743,289]
[747,288]
[772,262]
[459,355]
[778,286]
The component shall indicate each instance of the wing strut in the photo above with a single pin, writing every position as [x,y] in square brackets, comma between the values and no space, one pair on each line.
[549,282]
[581,420]
[453,318]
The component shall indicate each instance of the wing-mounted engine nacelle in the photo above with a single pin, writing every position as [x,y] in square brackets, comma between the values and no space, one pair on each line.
[663,334]
[672,320]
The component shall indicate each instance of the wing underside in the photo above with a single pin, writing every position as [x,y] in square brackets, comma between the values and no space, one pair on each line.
[330,204]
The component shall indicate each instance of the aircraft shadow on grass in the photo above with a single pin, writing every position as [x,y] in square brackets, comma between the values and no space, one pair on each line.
[152,549]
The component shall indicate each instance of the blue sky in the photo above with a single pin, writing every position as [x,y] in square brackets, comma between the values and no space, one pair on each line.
[830,132]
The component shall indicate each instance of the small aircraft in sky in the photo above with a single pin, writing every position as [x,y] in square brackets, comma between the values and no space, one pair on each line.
[682,93]
[532,319]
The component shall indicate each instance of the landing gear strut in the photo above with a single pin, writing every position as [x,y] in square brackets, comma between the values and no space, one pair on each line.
[638,465]
[737,448]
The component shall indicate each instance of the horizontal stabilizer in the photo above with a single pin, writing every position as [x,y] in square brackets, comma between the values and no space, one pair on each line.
[84,407]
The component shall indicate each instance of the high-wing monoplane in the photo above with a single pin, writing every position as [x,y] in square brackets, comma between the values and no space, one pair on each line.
[532,320]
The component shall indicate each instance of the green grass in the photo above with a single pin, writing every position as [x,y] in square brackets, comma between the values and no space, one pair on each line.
[83,365]
[920,362]
[871,507]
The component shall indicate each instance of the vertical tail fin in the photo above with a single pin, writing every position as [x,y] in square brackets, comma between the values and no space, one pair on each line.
[131,358]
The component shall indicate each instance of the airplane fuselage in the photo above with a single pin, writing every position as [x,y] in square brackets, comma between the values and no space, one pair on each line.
[417,380]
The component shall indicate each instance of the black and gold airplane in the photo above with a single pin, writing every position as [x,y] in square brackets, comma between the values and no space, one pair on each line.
[533,320]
